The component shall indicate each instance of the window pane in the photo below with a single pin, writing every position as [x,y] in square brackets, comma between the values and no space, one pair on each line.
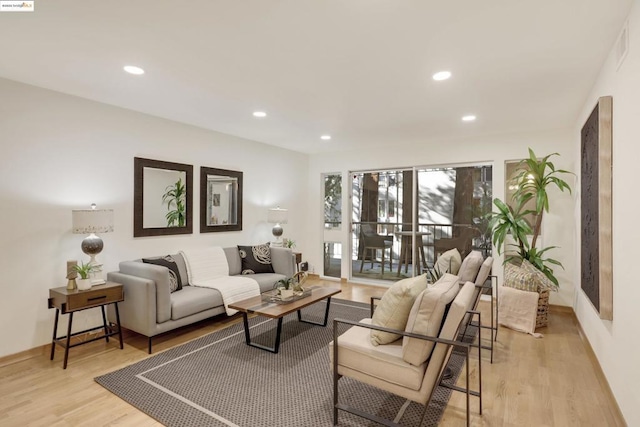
[332,201]
[332,259]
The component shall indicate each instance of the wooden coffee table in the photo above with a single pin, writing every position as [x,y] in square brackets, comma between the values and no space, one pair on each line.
[256,305]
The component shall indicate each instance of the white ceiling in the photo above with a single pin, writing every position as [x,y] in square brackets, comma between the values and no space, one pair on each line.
[359,70]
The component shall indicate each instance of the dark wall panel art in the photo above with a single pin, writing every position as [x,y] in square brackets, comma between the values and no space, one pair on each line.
[596,243]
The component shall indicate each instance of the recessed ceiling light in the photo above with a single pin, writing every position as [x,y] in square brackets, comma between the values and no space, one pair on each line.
[259,114]
[325,137]
[442,75]
[468,118]
[132,69]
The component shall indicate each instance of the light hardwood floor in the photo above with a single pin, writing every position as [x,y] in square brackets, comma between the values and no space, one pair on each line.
[550,381]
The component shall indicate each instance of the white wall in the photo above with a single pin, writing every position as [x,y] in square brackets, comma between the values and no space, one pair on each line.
[61,152]
[493,149]
[615,342]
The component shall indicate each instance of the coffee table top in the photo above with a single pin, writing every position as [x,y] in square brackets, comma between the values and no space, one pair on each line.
[270,309]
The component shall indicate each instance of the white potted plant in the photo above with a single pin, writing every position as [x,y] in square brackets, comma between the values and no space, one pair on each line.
[285,288]
[84,270]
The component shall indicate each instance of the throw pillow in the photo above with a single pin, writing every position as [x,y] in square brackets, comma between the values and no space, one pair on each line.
[470,267]
[449,262]
[182,269]
[256,259]
[526,277]
[426,317]
[394,307]
[175,282]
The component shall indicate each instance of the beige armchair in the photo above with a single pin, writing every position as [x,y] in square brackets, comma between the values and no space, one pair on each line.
[386,366]
[484,288]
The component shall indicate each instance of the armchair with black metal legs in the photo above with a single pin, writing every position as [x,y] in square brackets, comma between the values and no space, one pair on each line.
[482,288]
[391,372]
[372,242]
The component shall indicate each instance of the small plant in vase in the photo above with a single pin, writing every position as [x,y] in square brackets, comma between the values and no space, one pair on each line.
[287,288]
[288,243]
[84,271]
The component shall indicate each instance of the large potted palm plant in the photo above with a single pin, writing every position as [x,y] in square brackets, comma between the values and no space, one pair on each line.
[533,178]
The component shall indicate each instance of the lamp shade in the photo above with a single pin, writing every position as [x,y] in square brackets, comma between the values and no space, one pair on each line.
[87,221]
[277,215]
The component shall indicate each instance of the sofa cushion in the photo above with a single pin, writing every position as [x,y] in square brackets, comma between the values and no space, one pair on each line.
[168,261]
[192,299]
[426,318]
[449,262]
[233,259]
[394,307]
[182,268]
[384,362]
[256,259]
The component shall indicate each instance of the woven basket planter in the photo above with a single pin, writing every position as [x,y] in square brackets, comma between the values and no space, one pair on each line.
[526,277]
[542,317]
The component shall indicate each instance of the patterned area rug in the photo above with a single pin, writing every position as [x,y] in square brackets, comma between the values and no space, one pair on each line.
[218,380]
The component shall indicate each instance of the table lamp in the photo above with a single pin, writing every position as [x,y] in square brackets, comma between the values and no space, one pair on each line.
[92,221]
[277,216]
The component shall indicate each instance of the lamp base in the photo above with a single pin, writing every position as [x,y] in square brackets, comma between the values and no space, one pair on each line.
[277,231]
[92,246]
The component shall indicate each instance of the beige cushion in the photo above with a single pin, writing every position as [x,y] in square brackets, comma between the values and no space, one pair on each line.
[470,267]
[394,307]
[484,272]
[449,262]
[384,362]
[426,318]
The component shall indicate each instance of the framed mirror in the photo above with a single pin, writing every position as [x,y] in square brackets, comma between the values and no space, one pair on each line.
[162,198]
[220,200]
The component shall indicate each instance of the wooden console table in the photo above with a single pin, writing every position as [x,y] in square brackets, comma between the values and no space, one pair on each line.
[66,301]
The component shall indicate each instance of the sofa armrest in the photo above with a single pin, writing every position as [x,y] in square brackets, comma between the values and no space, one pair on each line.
[138,310]
[283,261]
[160,276]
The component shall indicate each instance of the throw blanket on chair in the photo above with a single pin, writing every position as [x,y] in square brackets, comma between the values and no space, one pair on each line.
[518,309]
[208,268]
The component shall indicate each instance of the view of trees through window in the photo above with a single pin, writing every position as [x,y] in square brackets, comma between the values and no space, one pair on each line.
[332,222]
[451,204]
[332,200]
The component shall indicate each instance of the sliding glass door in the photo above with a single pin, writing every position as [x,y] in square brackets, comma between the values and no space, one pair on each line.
[402,219]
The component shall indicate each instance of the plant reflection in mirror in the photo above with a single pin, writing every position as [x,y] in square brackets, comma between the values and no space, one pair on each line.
[175,197]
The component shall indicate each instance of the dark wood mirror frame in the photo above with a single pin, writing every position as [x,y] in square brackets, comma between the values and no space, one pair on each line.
[138,198]
[204,227]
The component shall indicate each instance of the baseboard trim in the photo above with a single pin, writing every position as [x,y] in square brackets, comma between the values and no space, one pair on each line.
[45,350]
[11,359]
[602,379]
[562,309]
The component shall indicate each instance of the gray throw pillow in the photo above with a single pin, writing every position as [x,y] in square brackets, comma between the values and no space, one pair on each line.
[255,259]
[175,282]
